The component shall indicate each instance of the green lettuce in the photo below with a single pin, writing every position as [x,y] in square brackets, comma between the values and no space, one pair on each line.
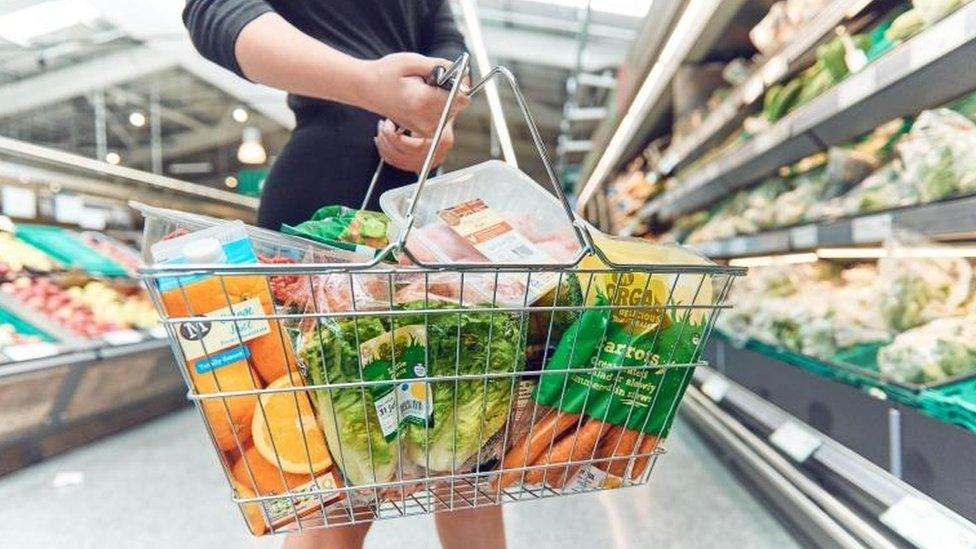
[466,413]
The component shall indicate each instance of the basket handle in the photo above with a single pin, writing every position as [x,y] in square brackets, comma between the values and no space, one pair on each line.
[454,76]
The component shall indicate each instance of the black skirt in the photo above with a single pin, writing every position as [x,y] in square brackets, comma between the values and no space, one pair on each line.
[329,159]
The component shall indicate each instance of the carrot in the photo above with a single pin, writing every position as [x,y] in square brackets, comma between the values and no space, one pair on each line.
[647,445]
[530,446]
[623,449]
[571,471]
[571,448]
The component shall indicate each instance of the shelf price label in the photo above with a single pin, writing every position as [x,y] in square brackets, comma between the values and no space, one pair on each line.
[945,36]
[30,351]
[926,526]
[795,441]
[157,332]
[738,245]
[122,337]
[804,237]
[715,388]
[857,87]
[871,228]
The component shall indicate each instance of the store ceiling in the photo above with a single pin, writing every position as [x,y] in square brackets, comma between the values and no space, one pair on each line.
[61,60]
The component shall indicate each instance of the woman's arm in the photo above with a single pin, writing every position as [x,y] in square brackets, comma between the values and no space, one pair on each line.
[246,36]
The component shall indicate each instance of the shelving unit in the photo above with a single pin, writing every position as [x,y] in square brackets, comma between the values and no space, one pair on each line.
[894,85]
[67,392]
[948,220]
[871,448]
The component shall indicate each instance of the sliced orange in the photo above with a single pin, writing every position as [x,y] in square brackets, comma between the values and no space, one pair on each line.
[252,511]
[287,432]
[267,478]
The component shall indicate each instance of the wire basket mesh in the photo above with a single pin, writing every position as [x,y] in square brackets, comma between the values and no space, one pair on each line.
[339,393]
[310,437]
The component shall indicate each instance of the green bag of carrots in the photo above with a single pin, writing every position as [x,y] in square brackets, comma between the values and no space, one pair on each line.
[614,415]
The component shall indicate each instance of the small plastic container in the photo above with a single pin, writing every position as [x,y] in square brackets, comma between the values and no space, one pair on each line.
[535,214]
[534,211]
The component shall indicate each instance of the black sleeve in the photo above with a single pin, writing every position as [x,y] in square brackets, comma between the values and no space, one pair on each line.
[215,24]
[442,38]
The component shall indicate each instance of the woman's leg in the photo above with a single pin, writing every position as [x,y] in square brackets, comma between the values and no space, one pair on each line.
[481,527]
[343,537]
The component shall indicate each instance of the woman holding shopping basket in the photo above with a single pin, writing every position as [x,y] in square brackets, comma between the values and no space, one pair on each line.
[355,71]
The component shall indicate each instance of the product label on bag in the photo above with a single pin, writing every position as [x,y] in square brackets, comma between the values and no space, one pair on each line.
[587,479]
[203,338]
[399,355]
[308,498]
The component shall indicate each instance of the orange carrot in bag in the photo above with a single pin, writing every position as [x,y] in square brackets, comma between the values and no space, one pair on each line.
[532,444]
[572,447]
[619,448]
[646,447]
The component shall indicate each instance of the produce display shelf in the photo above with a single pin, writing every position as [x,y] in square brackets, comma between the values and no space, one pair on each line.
[693,34]
[948,220]
[773,70]
[898,83]
[876,450]
[56,403]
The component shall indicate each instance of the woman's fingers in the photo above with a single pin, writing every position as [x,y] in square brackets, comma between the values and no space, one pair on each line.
[408,152]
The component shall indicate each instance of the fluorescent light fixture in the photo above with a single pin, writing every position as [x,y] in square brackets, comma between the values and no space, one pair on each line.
[137,119]
[251,150]
[682,38]
[23,26]
[918,252]
[240,114]
[113,158]
[632,8]
[768,260]
[469,12]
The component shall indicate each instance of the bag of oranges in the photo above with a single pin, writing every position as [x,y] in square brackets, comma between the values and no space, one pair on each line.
[230,341]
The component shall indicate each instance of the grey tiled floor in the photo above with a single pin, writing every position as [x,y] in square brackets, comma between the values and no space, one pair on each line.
[159,486]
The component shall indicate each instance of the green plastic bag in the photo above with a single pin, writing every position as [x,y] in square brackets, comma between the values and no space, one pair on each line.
[359,231]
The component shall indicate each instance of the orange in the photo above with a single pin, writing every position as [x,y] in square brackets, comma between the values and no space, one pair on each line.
[270,353]
[267,477]
[287,426]
[252,511]
[229,418]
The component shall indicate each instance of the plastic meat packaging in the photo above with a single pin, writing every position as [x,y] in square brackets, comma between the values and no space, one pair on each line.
[490,213]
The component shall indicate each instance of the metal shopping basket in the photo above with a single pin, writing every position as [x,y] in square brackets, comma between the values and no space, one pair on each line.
[389,406]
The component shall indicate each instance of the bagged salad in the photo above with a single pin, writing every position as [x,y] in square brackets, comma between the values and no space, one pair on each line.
[360,231]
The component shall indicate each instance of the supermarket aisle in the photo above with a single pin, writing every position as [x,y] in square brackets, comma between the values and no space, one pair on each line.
[158,486]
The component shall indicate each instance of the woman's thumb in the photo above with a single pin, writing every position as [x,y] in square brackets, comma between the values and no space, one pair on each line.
[414,64]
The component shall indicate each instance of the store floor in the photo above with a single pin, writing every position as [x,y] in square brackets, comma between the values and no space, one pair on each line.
[159,486]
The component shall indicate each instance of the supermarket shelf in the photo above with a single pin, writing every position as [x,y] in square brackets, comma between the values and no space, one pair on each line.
[56,403]
[695,31]
[42,168]
[876,452]
[775,69]
[951,219]
[897,84]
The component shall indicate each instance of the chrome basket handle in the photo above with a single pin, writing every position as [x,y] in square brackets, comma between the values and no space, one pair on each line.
[458,69]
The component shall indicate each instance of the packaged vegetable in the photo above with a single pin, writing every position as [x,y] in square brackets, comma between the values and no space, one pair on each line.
[657,331]
[937,154]
[360,231]
[933,352]
[398,431]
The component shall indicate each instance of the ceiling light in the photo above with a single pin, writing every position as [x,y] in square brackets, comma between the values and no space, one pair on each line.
[23,26]
[239,114]
[251,150]
[767,260]
[137,119]
[633,8]
[113,158]
[230,181]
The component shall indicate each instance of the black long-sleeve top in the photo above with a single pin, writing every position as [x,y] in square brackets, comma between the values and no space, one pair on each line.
[366,29]
[331,156]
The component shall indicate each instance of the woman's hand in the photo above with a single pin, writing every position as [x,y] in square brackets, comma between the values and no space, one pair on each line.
[407,152]
[394,87]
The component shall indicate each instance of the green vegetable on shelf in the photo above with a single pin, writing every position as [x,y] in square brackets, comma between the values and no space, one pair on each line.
[905,26]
